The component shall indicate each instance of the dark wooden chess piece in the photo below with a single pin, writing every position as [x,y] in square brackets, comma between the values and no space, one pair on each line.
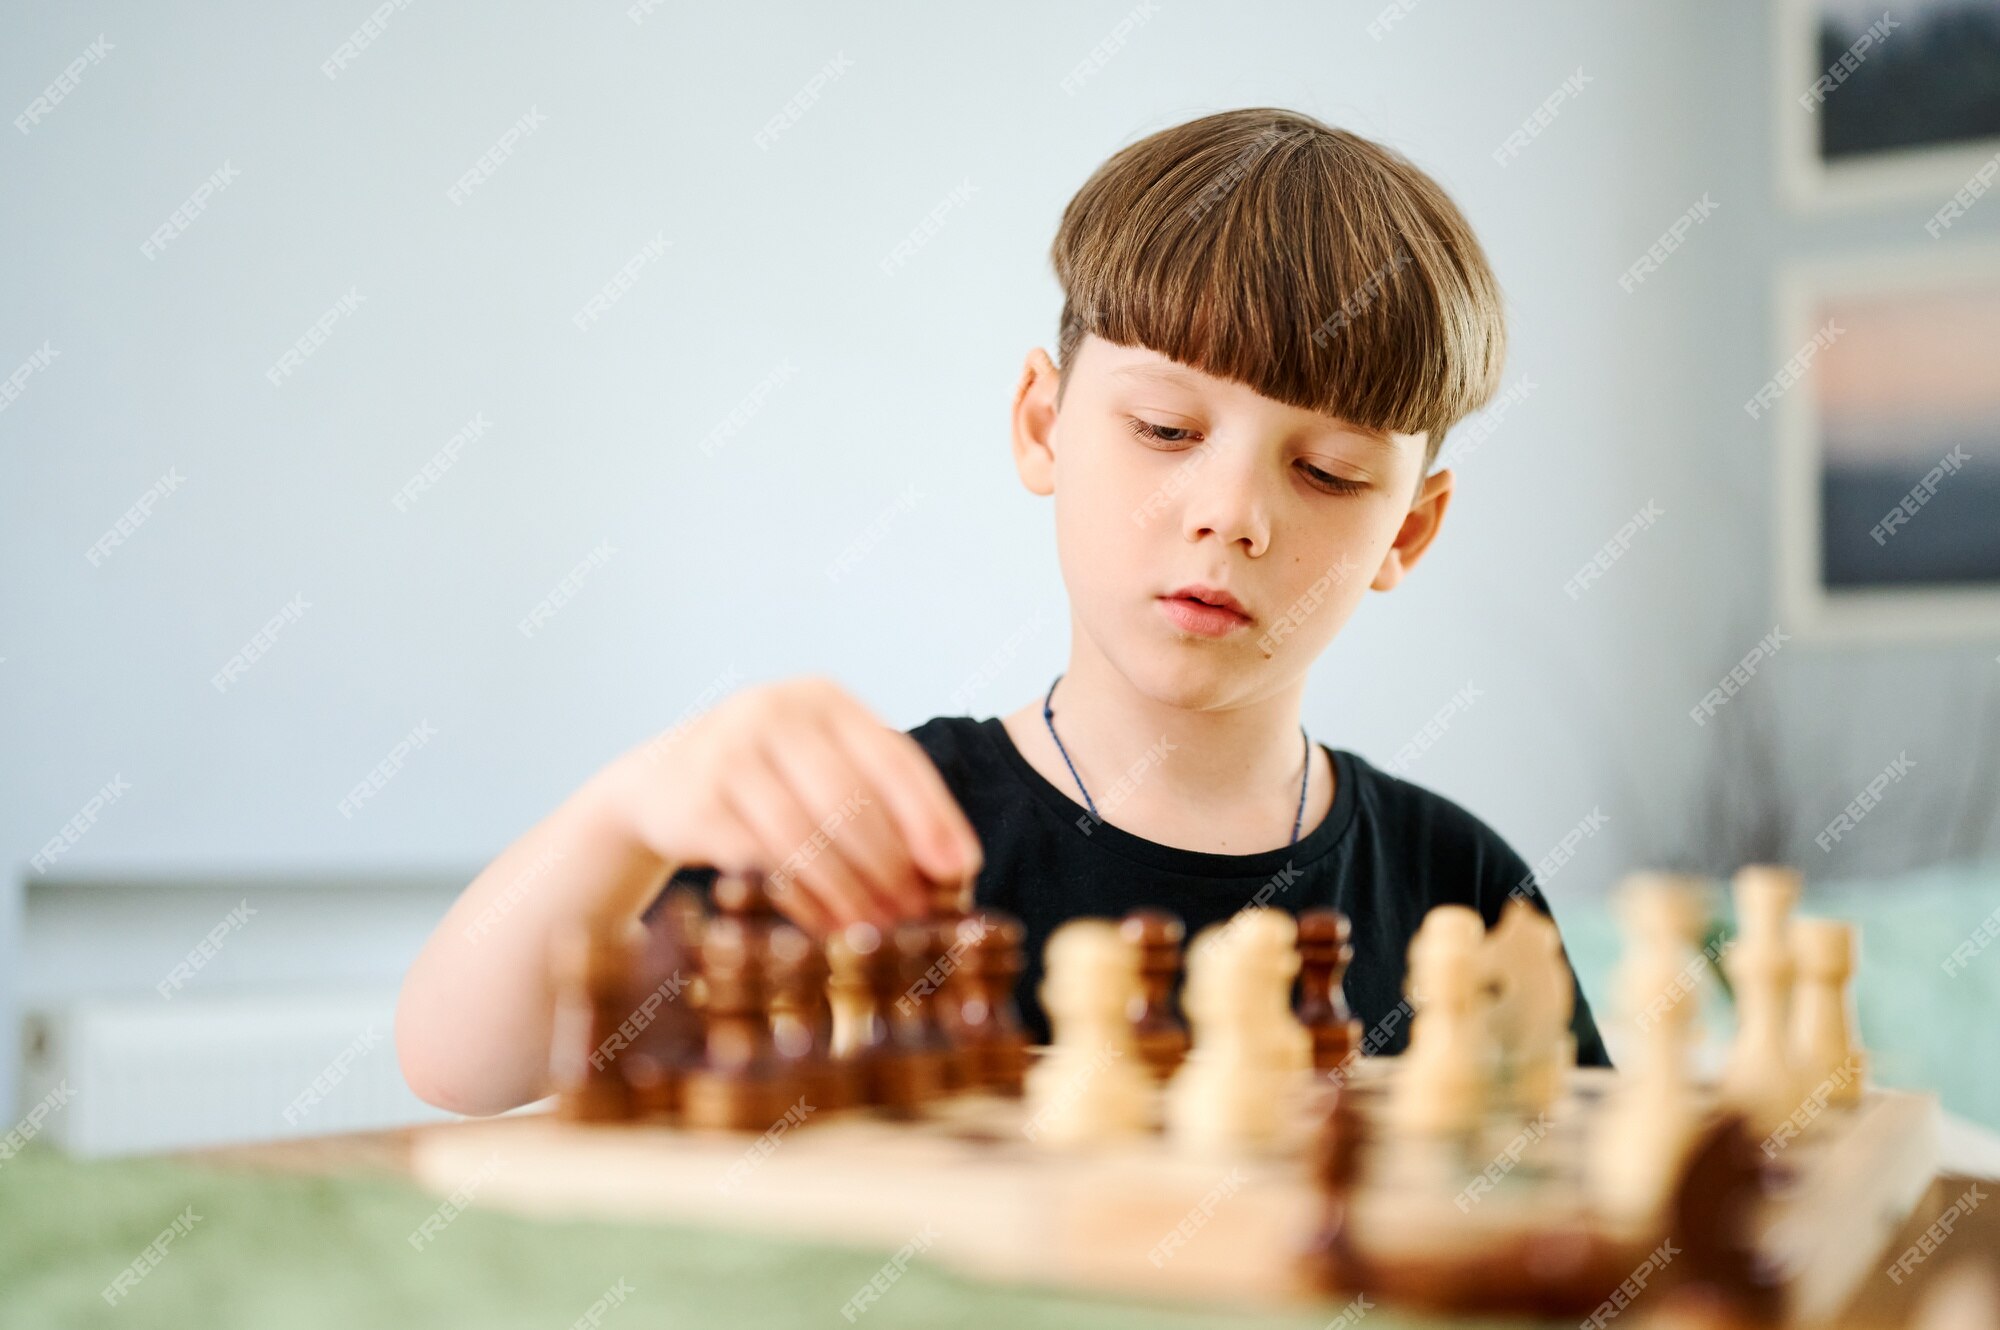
[801,1025]
[989,1030]
[1324,954]
[922,1057]
[663,1026]
[1721,1273]
[863,987]
[1332,1263]
[1563,1270]
[935,986]
[742,1084]
[1157,1029]
[590,970]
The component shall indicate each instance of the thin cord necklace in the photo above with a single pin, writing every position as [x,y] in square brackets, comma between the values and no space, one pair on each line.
[1049,716]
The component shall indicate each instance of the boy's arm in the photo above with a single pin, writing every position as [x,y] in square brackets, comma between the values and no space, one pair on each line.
[773,770]
[474,1019]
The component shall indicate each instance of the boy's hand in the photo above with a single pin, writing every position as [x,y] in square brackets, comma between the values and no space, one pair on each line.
[756,781]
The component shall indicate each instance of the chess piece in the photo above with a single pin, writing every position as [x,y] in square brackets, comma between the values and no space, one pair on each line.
[924,1062]
[1270,963]
[1331,1261]
[1233,1091]
[1324,954]
[1645,1131]
[934,985]
[667,1038]
[1828,1052]
[590,968]
[858,1028]
[741,1084]
[989,1032]
[1090,1087]
[801,1028]
[1761,1077]
[1157,1030]
[1443,1078]
[894,1068]
[1533,1000]
[1718,1205]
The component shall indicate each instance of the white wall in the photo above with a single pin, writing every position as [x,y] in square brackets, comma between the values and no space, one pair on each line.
[895,381]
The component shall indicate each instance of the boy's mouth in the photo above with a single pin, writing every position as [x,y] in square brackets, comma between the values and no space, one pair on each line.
[1205,611]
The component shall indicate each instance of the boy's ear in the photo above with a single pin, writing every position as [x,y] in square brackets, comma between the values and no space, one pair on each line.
[1035,423]
[1419,527]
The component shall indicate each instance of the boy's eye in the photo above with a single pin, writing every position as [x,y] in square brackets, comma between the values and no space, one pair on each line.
[1315,477]
[1332,484]
[1159,433]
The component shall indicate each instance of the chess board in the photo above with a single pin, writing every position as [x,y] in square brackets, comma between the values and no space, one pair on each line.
[964,1185]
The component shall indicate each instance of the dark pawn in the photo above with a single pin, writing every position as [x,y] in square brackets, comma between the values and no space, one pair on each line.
[1324,954]
[1156,1027]
[590,969]
[935,986]
[801,1027]
[989,1024]
[864,987]
[667,1041]
[912,1005]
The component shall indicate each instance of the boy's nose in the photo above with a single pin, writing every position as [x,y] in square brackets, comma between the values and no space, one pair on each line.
[1230,507]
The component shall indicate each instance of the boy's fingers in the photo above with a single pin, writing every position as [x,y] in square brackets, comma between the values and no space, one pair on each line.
[756,794]
[734,848]
[930,820]
[823,777]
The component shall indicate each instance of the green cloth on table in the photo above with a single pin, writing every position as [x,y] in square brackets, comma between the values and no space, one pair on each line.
[293,1252]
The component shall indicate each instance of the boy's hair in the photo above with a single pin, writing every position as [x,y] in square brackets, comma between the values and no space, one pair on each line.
[1317,267]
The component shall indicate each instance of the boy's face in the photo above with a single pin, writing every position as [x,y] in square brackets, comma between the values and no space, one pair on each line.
[1165,477]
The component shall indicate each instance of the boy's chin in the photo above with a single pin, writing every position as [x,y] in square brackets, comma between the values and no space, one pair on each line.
[1191,675]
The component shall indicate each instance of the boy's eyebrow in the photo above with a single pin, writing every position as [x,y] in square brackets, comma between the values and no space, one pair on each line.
[1381,438]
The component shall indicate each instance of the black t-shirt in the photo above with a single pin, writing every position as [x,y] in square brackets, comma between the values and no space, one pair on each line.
[1385,854]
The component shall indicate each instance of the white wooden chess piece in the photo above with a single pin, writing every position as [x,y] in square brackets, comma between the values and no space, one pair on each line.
[1824,1042]
[1442,1081]
[1271,938]
[1641,1139]
[1761,1078]
[1532,1005]
[1090,1086]
[1232,1092]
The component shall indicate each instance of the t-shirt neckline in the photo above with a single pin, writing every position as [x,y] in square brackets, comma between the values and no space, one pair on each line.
[1194,863]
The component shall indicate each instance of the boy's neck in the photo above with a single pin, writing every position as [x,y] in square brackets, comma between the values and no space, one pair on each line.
[1221,779]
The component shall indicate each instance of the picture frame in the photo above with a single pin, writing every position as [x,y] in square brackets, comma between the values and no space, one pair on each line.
[1877,103]
[1887,477]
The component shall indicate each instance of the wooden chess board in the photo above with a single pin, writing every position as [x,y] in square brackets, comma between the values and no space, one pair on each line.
[966,1187]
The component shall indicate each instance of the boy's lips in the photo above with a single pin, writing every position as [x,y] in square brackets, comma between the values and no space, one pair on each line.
[1204,611]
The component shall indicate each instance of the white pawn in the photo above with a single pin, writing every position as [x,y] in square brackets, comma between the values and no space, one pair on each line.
[1824,1041]
[1760,1077]
[1230,1094]
[1443,1078]
[1089,1087]
[1642,1138]
[1271,941]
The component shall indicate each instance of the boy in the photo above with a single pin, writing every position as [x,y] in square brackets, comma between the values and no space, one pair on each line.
[1268,326]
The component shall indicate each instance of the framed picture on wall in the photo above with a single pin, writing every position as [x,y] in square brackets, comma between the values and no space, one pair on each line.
[1887,416]
[1880,102]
